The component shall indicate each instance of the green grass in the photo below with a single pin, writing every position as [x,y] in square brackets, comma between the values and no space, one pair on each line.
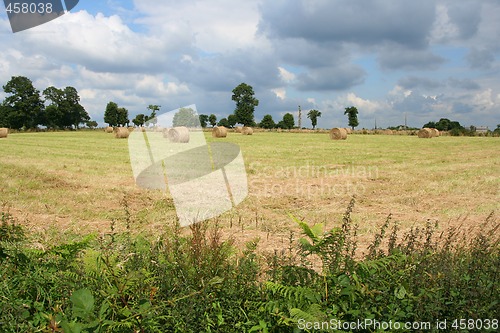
[77,180]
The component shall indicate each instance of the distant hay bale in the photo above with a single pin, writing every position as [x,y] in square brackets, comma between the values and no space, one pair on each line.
[388,132]
[425,133]
[238,129]
[435,132]
[247,130]
[122,133]
[109,129]
[219,132]
[348,130]
[131,128]
[178,134]
[338,133]
[4,132]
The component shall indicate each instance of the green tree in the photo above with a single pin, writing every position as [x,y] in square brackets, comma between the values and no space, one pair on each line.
[288,121]
[24,106]
[186,117]
[151,119]
[139,120]
[430,124]
[496,131]
[314,115]
[122,116]
[223,122]
[267,122]
[212,119]
[243,95]
[352,115]
[53,117]
[4,112]
[64,110]
[445,124]
[203,120]
[92,124]
[76,113]
[232,120]
[111,114]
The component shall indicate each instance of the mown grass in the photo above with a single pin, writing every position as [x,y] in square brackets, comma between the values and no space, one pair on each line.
[76,180]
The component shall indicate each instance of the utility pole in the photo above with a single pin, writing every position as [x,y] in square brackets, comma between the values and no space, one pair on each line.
[375,123]
[300,118]
[406,127]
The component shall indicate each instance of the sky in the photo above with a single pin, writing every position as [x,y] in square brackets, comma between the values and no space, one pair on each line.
[391,59]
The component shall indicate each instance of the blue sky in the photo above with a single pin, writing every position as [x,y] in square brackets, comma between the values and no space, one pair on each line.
[428,59]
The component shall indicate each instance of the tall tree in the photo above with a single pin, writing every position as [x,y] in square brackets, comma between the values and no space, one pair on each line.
[24,106]
[203,120]
[65,109]
[122,117]
[243,95]
[223,122]
[139,120]
[352,115]
[111,114]
[314,115]
[232,120]
[186,117]
[76,112]
[212,119]
[267,122]
[151,119]
[288,121]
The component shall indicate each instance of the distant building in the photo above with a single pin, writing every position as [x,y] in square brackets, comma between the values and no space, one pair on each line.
[482,129]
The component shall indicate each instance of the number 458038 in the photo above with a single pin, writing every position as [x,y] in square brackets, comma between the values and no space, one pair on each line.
[29,8]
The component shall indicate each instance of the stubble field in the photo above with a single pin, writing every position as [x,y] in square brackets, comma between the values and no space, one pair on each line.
[79,182]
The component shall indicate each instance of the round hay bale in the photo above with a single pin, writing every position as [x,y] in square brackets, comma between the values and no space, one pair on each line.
[131,128]
[247,130]
[122,133]
[425,133]
[348,130]
[219,132]
[338,133]
[178,134]
[4,132]
[435,132]
[238,129]
[388,132]
[109,129]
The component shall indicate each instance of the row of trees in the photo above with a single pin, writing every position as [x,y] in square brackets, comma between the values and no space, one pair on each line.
[26,108]
[118,116]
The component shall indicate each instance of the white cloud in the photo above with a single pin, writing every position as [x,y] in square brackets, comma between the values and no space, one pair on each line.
[443,28]
[280,93]
[216,26]
[286,76]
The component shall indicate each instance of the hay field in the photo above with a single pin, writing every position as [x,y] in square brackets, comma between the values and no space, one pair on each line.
[76,182]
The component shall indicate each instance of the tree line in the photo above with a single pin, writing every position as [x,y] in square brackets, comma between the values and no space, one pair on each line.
[26,107]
